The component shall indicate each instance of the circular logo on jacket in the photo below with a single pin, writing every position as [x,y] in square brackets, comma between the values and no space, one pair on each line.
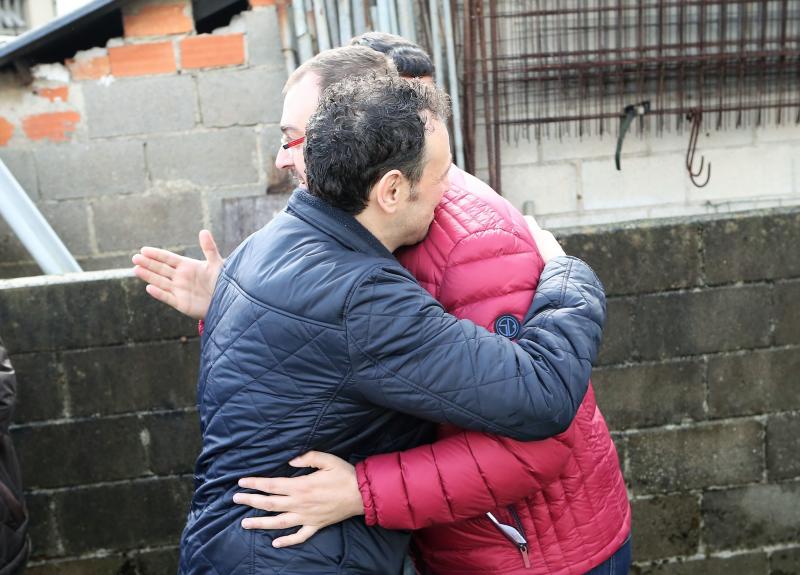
[507,326]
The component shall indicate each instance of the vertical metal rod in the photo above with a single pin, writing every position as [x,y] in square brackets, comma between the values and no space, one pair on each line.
[452,75]
[323,38]
[405,16]
[31,228]
[301,30]
[393,18]
[285,31]
[485,92]
[469,88]
[345,23]
[436,42]
[493,35]
[384,18]
[359,17]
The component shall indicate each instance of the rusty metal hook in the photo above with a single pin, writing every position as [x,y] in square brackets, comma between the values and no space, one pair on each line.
[696,118]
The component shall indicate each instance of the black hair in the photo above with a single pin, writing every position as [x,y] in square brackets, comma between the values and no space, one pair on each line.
[409,58]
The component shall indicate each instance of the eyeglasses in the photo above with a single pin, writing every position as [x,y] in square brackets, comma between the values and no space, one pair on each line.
[293,143]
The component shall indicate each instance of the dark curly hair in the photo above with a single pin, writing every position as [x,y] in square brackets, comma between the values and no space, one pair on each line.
[409,58]
[363,128]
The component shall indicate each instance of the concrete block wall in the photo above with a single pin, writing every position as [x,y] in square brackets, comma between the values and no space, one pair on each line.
[150,138]
[571,181]
[697,379]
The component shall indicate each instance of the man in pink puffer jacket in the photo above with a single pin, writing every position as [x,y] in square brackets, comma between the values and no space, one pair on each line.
[562,501]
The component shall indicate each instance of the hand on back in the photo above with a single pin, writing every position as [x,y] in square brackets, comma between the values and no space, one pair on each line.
[547,244]
[185,284]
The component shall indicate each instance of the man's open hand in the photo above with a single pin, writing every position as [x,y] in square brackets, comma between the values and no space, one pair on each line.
[546,243]
[180,282]
[313,501]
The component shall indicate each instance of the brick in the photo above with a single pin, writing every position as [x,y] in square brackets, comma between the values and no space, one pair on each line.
[153,513]
[21,165]
[257,3]
[769,173]
[665,526]
[749,563]
[158,220]
[243,216]
[753,382]
[124,379]
[44,534]
[53,126]
[105,168]
[174,442]
[70,221]
[210,51]
[618,343]
[752,248]
[222,157]
[90,68]
[638,396]
[53,316]
[541,189]
[59,93]
[6,131]
[641,258]
[648,181]
[67,454]
[236,97]
[697,322]
[142,106]
[40,387]
[263,38]
[691,458]
[142,59]
[157,20]
[785,561]
[787,300]
[783,446]
[751,516]
[150,320]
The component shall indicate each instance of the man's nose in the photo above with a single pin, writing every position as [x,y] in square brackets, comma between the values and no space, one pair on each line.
[284,159]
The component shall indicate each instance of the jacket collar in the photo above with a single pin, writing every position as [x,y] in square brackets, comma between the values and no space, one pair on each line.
[336,223]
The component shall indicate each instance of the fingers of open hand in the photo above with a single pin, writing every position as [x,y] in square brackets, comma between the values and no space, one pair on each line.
[274,485]
[151,277]
[264,502]
[282,521]
[163,256]
[161,295]
[302,535]
[154,265]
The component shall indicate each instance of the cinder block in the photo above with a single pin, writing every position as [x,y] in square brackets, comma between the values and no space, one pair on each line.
[643,181]
[11,249]
[222,157]
[91,566]
[40,387]
[70,454]
[21,165]
[140,106]
[98,263]
[768,173]
[518,149]
[169,219]
[95,169]
[243,216]
[150,320]
[673,141]
[745,563]
[593,218]
[783,446]
[570,147]
[638,396]
[124,379]
[45,538]
[618,343]
[785,561]
[174,442]
[18,270]
[696,457]
[263,38]
[70,221]
[153,513]
[752,248]
[665,526]
[787,306]
[691,323]
[753,382]
[546,189]
[241,97]
[640,259]
[789,131]
[751,516]
[53,316]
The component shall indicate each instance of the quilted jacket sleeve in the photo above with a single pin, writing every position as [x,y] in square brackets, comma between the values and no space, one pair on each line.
[409,355]
[455,478]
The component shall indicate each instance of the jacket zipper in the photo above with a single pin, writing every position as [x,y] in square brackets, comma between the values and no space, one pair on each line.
[523,547]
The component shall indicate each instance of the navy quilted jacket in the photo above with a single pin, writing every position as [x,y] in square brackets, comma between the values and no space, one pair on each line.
[317,338]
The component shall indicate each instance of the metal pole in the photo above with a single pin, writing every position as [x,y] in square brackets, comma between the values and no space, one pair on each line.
[450,49]
[323,38]
[345,25]
[406,17]
[31,228]
[301,29]
[393,17]
[384,16]
[437,42]
[332,16]
[285,27]
[359,18]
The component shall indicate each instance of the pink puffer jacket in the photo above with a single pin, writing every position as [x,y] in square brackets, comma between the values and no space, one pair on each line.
[566,494]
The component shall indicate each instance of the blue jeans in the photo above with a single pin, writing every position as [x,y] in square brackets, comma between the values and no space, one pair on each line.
[617,564]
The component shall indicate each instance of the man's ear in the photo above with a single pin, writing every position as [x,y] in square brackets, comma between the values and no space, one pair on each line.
[387,192]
